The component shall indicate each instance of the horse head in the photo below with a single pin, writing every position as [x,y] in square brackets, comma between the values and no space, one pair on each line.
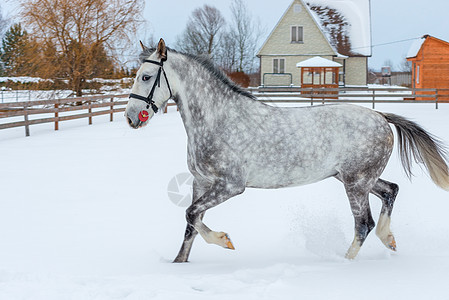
[151,88]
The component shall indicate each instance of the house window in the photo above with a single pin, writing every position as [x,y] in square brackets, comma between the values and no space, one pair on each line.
[279,65]
[417,74]
[297,34]
[297,8]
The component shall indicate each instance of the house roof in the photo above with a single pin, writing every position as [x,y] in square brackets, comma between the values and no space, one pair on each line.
[346,24]
[316,62]
[313,18]
[415,47]
[418,43]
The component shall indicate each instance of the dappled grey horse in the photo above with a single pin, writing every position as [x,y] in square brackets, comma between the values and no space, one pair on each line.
[235,141]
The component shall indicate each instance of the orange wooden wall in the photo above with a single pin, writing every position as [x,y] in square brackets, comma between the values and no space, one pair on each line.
[433,63]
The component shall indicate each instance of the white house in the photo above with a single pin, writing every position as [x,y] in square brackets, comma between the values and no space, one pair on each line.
[337,30]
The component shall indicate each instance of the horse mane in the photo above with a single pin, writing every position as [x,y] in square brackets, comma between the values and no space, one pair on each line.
[209,65]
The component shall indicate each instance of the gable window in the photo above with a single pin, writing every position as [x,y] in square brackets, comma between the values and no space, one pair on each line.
[417,74]
[297,34]
[279,65]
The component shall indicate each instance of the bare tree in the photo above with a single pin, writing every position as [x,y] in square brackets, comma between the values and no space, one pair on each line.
[226,57]
[246,32]
[3,23]
[405,65]
[3,28]
[77,31]
[202,32]
[388,63]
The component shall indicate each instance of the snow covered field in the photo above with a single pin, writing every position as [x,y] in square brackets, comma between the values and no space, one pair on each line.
[84,214]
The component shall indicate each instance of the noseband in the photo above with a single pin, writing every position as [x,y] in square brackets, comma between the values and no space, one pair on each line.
[149,99]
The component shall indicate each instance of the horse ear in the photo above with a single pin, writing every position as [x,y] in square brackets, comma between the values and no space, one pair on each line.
[143,46]
[161,50]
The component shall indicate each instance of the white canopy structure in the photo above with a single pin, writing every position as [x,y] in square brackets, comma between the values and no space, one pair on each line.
[318,62]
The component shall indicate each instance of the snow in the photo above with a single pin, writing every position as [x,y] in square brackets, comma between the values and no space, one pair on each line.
[415,47]
[357,12]
[84,214]
[23,79]
[318,61]
[26,79]
[9,95]
[116,81]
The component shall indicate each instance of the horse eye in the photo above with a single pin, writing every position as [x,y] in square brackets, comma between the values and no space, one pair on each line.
[146,77]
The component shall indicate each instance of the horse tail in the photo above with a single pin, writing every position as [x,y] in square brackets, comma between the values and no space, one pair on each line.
[417,144]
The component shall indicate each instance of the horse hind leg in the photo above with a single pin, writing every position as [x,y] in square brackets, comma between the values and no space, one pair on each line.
[363,220]
[387,192]
[357,190]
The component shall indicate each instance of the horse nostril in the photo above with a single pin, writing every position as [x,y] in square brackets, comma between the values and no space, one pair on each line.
[130,122]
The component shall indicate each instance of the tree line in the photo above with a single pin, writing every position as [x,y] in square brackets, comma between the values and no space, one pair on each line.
[232,44]
[72,41]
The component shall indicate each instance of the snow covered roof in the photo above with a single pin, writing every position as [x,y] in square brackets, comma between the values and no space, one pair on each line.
[317,61]
[346,24]
[414,48]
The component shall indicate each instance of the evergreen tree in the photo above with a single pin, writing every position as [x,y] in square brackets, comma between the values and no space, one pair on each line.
[15,51]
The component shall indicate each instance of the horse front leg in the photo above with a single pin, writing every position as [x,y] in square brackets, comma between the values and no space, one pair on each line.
[219,192]
[190,233]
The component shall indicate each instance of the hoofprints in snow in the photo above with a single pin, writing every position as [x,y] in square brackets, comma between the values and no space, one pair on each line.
[338,30]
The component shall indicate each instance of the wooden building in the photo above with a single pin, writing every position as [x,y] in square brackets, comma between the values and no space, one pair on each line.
[430,65]
[318,72]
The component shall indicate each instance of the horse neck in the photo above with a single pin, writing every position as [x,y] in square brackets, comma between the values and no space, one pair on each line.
[203,100]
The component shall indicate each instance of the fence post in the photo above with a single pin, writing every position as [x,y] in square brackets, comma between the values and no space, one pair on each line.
[2,96]
[27,125]
[57,116]
[112,109]
[17,95]
[436,98]
[374,98]
[90,111]
[311,96]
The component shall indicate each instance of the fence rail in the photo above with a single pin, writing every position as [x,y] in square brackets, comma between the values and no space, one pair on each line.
[350,95]
[9,96]
[103,105]
[88,107]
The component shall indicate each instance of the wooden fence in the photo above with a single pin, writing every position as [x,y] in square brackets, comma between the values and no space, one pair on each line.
[350,95]
[49,111]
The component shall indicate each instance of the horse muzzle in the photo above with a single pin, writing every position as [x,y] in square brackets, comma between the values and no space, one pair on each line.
[138,122]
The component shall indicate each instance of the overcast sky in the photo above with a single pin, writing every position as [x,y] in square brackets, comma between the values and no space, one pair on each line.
[392,20]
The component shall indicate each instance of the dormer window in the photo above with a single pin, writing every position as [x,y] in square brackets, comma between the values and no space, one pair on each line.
[297,34]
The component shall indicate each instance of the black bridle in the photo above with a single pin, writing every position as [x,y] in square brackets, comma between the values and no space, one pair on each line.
[149,99]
